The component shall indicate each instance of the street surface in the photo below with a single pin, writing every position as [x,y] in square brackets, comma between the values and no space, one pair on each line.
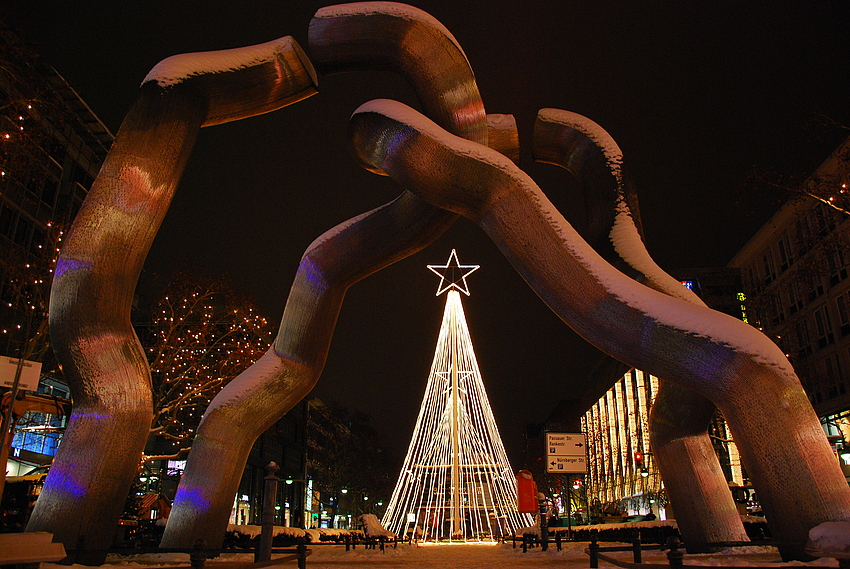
[460,556]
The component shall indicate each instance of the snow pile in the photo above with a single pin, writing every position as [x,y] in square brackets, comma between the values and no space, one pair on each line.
[830,539]
[255,531]
[314,534]
[333,532]
[598,135]
[329,534]
[629,245]
[374,527]
[458,556]
[530,530]
[501,121]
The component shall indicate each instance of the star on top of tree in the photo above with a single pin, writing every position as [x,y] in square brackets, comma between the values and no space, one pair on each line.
[452,274]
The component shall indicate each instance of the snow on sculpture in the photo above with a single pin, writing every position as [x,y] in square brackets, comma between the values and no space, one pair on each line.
[456,480]
[98,268]
[723,359]
[342,38]
[678,426]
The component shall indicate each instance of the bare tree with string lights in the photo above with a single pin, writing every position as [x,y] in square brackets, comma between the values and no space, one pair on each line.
[201,334]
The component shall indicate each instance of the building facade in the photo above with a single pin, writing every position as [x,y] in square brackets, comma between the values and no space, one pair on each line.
[51,149]
[792,283]
[623,477]
[795,273]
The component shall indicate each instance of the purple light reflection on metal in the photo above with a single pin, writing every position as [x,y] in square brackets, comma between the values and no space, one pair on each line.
[65,481]
[311,273]
[95,416]
[64,264]
[192,498]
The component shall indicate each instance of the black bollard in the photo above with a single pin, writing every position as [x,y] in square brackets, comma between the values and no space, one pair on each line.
[301,548]
[675,556]
[264,549]
[594,550]
[636,550]
[198,556]
[558,540]
[80,550]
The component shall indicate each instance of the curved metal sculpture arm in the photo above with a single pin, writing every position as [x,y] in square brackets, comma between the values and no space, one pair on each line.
[343,38]
[409,41]
[96,277]
[586,150]
[720,357]
[680,418]
[241,82]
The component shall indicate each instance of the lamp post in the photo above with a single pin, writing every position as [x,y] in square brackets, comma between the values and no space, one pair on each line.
[295,497]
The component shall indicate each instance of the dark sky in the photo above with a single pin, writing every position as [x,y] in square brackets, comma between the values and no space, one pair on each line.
[695,93]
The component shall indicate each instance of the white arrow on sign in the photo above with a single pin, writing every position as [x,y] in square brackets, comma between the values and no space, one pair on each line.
[567,465]
[565,444]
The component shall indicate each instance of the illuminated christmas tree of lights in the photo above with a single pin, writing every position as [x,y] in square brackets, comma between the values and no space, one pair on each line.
[456,482]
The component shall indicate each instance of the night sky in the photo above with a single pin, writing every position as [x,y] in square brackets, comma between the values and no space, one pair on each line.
[695,93]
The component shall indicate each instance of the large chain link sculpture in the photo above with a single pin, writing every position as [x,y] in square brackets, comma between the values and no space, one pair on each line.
[709,359]
[341,38]
[680,418]
[719,357]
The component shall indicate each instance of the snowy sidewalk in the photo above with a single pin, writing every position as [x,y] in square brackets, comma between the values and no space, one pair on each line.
[462,556]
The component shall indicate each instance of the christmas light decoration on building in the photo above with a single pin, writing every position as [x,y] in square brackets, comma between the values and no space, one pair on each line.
[456,482]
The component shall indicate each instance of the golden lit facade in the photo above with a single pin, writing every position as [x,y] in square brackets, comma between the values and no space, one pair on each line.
[622,475]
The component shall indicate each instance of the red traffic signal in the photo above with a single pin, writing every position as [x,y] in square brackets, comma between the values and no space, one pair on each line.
[638,458]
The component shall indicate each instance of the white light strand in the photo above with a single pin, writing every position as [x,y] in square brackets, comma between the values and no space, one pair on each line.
[481,503]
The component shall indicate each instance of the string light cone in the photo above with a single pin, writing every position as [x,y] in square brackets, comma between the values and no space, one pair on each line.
[456,483]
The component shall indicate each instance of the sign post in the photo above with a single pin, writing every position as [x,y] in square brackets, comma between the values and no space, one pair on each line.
[18,374]
[566,453]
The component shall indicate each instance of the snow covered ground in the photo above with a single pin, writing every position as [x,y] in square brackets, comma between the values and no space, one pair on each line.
[458,556]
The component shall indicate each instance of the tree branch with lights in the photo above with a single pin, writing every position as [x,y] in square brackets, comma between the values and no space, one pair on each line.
[201,334]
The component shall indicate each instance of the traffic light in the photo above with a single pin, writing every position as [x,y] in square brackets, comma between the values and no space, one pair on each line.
[639,459]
